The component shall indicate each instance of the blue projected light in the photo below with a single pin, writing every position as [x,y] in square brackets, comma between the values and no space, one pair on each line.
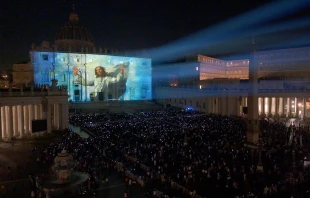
[92,77]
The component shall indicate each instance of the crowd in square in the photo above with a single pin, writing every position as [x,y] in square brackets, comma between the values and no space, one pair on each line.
[179,153]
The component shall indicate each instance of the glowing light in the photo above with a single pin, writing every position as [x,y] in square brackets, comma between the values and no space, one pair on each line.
[200,86]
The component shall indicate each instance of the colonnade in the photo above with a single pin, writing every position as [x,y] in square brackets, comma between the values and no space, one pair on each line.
[233,105]
[282,106]
[267,106]
[16,120]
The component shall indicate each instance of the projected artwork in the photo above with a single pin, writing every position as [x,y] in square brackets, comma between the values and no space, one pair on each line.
[90,77]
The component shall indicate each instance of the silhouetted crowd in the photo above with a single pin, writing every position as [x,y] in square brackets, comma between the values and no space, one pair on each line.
[178,153]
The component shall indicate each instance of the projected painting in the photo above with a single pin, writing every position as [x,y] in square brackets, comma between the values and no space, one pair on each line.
[91,77]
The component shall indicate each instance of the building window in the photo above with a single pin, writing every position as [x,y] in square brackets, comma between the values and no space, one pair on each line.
[45,57]
[204,105]
[196,68]
[197,104]
[64,78]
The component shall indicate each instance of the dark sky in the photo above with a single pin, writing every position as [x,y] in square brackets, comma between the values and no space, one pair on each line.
[121,24]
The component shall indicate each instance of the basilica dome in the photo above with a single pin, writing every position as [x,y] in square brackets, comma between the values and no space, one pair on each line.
[73,36]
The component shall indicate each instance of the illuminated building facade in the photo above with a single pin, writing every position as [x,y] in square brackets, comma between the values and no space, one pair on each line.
[94,77]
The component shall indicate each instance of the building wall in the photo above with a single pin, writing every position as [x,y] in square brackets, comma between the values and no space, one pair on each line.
[285,63]
[291,63]
[18,110]
[22,74]
[271,103]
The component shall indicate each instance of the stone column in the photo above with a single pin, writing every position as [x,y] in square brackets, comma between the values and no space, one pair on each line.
[15,115]
[10,116]
[266,106]
[209,105]
[230,104]
[281,106]
[304,107]
[277,105]
[30,109]
[21,118]
[225,105]
[273,106]
[3,121]
[296,105]
[288,107]
[259,105]
[35,106]
[263,106]
[26,119]
[216,102]
[269,105]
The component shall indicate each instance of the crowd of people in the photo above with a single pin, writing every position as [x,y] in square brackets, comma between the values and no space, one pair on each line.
[202,154]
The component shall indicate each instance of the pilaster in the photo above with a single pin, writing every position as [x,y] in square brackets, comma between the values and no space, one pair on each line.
[10,115]
[22,127]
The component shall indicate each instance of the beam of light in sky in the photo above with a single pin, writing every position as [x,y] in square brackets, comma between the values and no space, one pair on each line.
[187,69]
[229,28]
[293,42]
[217,46]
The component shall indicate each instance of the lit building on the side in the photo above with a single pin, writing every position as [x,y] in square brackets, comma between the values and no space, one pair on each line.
[283,85]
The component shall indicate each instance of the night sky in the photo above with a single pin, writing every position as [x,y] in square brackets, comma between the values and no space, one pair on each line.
[114,24]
